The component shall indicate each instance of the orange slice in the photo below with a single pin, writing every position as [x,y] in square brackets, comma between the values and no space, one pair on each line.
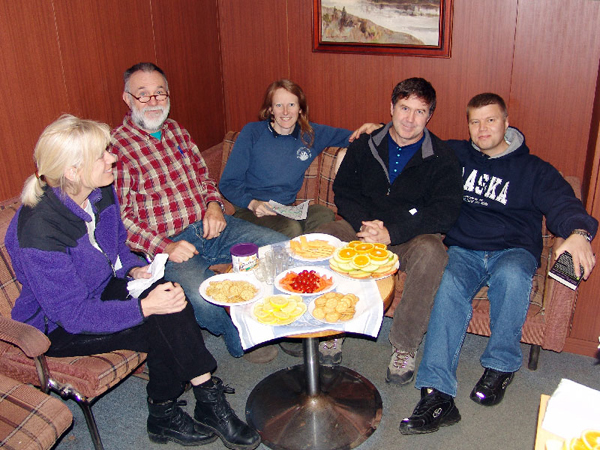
[380,245]
[346,254]
[378,254]
[591,438]
[360,261]
[363,247]
[353,243]
[577,444]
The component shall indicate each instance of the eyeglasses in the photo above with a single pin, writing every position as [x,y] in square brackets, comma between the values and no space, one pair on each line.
[146,98]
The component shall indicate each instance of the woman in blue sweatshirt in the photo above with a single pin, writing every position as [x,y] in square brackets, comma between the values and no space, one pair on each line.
[269,159]
[67,245]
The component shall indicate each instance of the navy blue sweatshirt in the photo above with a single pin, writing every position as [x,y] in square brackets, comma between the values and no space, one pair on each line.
[505,198]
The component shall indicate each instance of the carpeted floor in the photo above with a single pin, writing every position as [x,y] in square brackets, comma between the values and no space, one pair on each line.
[121,414]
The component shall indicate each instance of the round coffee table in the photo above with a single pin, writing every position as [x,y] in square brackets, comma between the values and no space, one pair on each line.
[310,406]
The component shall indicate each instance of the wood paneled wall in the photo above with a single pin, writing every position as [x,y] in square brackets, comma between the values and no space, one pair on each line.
[64,56]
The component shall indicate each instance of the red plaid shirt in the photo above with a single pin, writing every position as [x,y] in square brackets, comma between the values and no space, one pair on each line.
[163,186]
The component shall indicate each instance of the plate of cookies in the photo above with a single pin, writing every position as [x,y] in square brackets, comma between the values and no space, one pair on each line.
[336,307]
[231,289]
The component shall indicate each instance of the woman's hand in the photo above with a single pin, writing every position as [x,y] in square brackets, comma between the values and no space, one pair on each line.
[260,208]
[166,298]
[364,128]
[140,272]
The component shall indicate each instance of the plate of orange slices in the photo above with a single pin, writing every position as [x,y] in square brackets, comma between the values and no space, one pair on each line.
[362,260]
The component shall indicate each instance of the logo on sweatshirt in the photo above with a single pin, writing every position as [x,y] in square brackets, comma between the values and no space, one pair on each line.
[303,153]
[487,186]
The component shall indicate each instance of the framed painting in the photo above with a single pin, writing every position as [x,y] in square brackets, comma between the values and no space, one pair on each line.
[398,27]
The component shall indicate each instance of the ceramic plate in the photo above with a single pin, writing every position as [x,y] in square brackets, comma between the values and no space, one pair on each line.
[331,240]
[319,270]
[345,275]
[249,277]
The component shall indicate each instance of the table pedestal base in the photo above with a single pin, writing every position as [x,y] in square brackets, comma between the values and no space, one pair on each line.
[344,411]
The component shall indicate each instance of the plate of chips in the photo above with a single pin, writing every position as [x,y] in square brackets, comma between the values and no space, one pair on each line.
[335,307]
[231,289]
[277,310]
[314,246]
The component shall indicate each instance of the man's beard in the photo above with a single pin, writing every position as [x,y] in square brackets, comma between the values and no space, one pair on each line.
[137,115]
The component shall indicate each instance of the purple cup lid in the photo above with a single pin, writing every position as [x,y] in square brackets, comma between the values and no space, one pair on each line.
[244,249]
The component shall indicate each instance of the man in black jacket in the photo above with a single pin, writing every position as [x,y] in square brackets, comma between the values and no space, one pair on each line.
[401,186]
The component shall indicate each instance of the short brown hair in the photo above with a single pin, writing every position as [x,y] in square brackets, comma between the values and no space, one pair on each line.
[485,99]
[419,87]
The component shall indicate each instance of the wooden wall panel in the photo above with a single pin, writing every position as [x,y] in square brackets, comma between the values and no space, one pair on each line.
[557,48]
[99,39]
[255,52]
[187,48]
[33,90]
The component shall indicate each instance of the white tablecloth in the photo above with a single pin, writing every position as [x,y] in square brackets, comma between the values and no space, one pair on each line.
[369,322]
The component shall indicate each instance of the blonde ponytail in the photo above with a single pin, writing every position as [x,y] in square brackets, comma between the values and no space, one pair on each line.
[32,190]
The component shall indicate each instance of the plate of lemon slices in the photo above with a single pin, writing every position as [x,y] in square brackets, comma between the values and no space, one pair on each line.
[277,310]
[364,260]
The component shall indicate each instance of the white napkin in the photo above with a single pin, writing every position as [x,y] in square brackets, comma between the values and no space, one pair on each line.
[157,269]
[571,409]
[369,322]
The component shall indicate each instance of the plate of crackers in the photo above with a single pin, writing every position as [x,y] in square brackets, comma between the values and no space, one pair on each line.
[231,289]
[314,246]
[335,307]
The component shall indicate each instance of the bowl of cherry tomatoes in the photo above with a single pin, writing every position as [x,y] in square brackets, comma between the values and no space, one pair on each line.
[307,280]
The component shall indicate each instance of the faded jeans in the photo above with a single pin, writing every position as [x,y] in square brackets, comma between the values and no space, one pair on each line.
[509,274]
[423,259]
[191,273]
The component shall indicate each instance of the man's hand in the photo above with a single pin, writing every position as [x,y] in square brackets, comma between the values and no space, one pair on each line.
[582,253]
[180,251]
[374,231]
[213,222]
[140,272]
[260,208]
[167,298]
[364,128]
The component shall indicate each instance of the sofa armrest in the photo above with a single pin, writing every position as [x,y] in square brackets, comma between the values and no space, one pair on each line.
[29,339]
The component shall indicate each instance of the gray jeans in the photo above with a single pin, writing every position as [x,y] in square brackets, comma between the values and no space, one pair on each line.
[317,215]
[423,259]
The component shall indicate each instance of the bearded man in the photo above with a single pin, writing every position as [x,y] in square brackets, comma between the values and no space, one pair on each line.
[170,204]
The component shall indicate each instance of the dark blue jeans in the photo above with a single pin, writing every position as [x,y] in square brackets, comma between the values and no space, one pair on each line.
[191,273]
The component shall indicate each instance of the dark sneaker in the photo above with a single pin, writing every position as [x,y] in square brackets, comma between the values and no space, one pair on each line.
[434,410]
[261,355]
[330,352]
[402,367]
[292,348]
[490,388]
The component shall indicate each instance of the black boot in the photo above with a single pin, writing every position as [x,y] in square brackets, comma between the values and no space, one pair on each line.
[214,412]
[168,422]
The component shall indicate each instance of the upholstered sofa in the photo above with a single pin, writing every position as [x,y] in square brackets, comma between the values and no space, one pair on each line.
[552,304]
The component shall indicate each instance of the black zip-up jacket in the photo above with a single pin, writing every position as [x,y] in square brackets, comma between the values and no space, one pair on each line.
[425,198]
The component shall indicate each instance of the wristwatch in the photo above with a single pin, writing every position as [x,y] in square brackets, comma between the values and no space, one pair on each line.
[583,233]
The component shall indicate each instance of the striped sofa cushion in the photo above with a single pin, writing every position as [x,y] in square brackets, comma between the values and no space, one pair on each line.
[30,419]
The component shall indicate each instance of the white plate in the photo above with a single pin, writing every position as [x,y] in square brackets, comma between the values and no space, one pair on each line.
[345,275]
[233,277]
[276,324]
[331,240]
[361,307]
[319,270]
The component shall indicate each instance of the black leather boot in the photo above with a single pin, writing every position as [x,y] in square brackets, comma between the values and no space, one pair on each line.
[168,422]
[214,412]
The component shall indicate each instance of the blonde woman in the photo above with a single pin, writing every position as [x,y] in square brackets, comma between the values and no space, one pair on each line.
[67,245]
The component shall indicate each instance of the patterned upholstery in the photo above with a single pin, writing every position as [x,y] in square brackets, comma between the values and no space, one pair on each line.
[90,376]
[552,304]
[30,419]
